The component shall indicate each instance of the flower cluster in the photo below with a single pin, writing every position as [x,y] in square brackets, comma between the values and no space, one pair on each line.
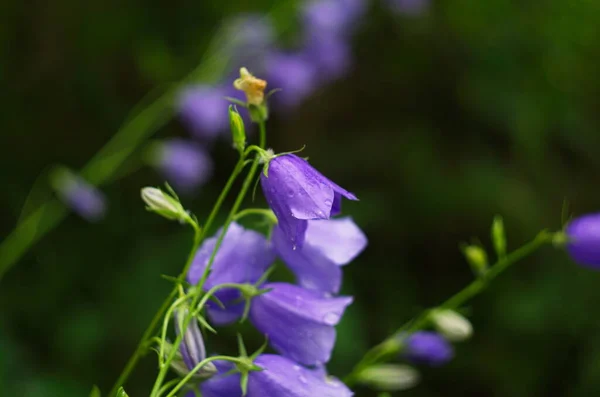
[298,319]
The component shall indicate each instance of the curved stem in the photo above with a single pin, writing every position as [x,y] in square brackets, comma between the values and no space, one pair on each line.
[265,212]
[391,346]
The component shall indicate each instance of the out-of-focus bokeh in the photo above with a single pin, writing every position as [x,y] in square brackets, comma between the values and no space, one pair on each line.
[445,114]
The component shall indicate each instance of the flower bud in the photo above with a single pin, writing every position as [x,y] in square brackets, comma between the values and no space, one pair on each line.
[238,130]
[454,326]
[163,204]
[583,240]
[477,258]
[499,236]
[427,347]
[390,377]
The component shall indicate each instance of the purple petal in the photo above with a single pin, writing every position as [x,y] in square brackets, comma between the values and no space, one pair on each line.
[293,74]
[222,386]
[84,199]
[284,378]
[184,164]
[584,240]
[331,55]
[428,348]
[339,240]
[311,268]
[204,109]
[299,322]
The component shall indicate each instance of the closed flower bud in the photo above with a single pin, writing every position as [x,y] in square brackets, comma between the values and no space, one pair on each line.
[477,258]
[583,240]
[454,326]
[163,204]
[390,377]
[238,131]
[426,347]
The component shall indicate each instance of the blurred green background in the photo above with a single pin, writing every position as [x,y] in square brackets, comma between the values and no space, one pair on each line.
[447,118]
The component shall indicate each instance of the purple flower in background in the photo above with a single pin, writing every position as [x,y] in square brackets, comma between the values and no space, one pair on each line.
[250,37]
[184,164]
[192,348]
[584,240]
[298,322]
[84,199]
[428,348]
[331,56]
[332,17]
[280,377]
[243,257]
[409,7]
[328,245]
[296,192]
[204,109]
[293,74]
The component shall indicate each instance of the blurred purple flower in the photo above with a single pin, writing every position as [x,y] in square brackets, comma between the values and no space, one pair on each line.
[184,164]
[328,245]
[250,36]
[298,322]
[330,55]
[584,240]
[332,17]
[296,192]
[409,7]
[84,199]
[280,377]
[293,74]
[428,347]
[243,257]
[204,110]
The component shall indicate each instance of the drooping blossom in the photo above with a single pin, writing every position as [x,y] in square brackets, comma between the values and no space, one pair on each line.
[328,245]
[583,245]
[426,347]
[83,198]
[184,164]
[280,377]
[243,257]
[204,109]
[296,192]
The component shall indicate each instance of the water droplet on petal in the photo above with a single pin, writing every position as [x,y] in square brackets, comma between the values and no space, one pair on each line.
[302,379]
[296,368]
[331,318]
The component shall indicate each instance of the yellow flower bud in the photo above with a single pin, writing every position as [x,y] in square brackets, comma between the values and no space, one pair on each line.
[253,87]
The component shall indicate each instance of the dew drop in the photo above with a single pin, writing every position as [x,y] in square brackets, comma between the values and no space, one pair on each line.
[331,318]
[296,368]
[328,203]
[302,379]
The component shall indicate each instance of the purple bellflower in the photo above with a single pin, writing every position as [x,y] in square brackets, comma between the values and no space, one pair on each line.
[328,245]
[429,348]
[184,164]
[294,74]
[296,192]
[204,109]
[250,37]
[243,257]
[84,199]
[583,244]
[331,55]
[280,377]
[332,17]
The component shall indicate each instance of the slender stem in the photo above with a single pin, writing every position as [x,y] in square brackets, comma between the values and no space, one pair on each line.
[198,367]
[391,346]
[230,218]
[265,212]
[199,236]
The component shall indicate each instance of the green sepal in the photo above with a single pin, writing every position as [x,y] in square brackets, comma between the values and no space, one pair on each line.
[121,392]
[499,236]
[95,392]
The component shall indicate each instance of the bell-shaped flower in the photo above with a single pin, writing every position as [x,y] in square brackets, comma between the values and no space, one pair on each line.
[280,377]
[328,245]
[243,257]
[183,163]
[296,192]
[299,323]
[426,347]
[583,235]
[204,109]
[83,198]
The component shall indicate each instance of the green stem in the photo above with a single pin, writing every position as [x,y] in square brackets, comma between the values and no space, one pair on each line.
[391,346]
[265,212]
[230,218]
[199,236]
